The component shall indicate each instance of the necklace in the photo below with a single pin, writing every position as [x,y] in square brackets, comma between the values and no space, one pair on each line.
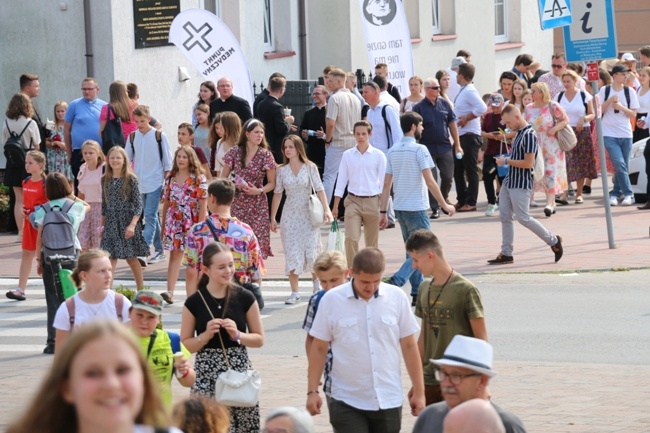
[218,301]
[434,325]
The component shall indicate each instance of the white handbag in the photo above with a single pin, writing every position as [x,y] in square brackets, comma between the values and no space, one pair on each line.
[316,210]
[235,388]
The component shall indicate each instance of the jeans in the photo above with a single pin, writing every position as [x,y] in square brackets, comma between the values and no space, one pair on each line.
[513,203]
[151,233]
[619,152]
[410,221]
[467,192]
[445,163]
[53,299]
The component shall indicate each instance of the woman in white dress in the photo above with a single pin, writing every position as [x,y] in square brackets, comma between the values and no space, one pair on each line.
[300,239]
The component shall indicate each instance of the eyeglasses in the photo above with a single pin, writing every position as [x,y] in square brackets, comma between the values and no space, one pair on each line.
[455,379]
[557,66]
[88,89]
[433,87]
[316,94]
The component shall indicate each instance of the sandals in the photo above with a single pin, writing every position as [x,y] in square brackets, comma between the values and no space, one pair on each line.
[11,294]
[167,297]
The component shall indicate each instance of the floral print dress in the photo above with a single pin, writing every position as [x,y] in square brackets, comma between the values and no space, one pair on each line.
[183,210]
[555,178]
[57,158]
[253,209]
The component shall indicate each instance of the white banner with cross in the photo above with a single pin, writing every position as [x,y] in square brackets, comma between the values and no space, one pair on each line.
[388,40]
[213,49]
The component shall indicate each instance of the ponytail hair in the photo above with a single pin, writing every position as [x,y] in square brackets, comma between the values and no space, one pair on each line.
[85,262]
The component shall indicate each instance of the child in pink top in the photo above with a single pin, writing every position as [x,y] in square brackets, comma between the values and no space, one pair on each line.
[90,190]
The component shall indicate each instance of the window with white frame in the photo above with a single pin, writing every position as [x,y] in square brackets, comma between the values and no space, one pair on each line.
[501,21]
[435,6]
[268,25]
[213,6]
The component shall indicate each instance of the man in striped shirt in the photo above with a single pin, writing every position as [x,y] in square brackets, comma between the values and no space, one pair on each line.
[517,187]
[410,188]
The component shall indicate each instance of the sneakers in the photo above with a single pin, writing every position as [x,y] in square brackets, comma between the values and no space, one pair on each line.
[156,257]
[293,298]
[142,261]
[491,209]
[628,200]
[613,201]
[501,259]
[557,249]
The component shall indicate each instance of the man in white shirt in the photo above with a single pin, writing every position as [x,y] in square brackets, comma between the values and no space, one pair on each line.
[619,105]
[367,323]
[469,107]
[384,96]
[152,160]
[362,170]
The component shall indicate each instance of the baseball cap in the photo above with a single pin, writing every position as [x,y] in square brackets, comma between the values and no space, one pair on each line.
[148,301]
[628,57]
[457,61]
[495,100]
[620,68]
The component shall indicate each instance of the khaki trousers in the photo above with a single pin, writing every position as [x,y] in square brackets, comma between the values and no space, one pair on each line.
[360,210]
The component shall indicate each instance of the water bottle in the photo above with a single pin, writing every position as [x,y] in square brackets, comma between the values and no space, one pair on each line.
[459,155]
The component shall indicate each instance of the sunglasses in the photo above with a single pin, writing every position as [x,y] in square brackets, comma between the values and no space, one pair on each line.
[557,66]
[433,87]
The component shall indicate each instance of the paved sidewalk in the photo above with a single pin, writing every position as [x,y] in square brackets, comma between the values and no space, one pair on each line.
[469,239]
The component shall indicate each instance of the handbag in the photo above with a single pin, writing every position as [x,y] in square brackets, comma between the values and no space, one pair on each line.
[336,239]
[235,388]
[112,134]
[565,137]
[503,170]
[316,211]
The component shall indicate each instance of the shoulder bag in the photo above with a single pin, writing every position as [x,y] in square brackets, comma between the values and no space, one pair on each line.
[235,388]
[565,136]
[316,210]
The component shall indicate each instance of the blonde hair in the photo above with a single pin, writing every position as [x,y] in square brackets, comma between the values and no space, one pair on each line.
[57,105]
[543,89]
[40,158]
[330,260]
[569,73]
[49,412]
[85,263]
[97,148]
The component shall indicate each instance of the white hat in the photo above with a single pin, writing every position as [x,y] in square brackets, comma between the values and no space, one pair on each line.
[468,352]
[457,61]
[628,57]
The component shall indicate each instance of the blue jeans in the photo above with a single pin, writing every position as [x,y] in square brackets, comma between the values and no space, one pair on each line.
[619,152]
[151,233]
[410,221]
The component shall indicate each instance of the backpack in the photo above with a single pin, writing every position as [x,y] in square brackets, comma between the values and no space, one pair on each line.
[389,136]
[626,90]
[112,134]
[158,139]
[119,305]
[14,150]
[57,235]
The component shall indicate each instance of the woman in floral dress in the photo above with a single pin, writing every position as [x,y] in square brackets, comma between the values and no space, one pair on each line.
[57,156]
[300,239]
[539,115]
[184,204]
[250,163]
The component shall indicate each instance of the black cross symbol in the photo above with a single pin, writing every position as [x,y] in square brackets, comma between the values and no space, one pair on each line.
[197,36]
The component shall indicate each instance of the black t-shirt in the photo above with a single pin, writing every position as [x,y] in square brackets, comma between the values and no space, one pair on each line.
[240,301]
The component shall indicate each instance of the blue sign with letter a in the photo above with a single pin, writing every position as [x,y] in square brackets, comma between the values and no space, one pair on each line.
[592,35]
[555,13]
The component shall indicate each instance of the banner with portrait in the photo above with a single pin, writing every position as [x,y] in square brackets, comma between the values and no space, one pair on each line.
[213,49]
[388,40]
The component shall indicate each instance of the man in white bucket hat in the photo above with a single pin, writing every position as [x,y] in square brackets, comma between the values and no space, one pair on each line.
[464,372]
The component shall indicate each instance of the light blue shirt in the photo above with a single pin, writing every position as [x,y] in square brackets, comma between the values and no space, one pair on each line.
[409,188]
[147,164]
[83,115]
[379,138]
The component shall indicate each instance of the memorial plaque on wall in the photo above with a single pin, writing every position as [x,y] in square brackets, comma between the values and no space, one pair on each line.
[152,20]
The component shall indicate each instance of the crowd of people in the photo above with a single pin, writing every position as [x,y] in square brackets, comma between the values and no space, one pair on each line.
[239,174]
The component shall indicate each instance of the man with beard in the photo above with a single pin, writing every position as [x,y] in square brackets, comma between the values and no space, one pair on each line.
[410,192]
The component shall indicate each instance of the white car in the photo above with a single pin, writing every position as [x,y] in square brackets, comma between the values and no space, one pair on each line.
[636,171]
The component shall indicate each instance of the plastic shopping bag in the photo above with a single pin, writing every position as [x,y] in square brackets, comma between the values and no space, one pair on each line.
[336,239]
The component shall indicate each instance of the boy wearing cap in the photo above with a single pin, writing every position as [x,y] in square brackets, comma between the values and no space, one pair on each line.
[159,346]
[493,129]
[464,371]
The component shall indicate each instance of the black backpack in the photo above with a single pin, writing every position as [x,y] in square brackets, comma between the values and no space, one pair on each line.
[58,236]
[14,150]
[158,140]
[626,91]
[112,134]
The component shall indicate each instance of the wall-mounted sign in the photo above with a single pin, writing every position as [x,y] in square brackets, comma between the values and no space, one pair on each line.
[152,20]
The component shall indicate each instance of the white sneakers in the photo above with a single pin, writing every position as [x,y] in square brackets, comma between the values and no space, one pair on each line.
[293,298]
[491,209]
[156,257]
[628,200]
